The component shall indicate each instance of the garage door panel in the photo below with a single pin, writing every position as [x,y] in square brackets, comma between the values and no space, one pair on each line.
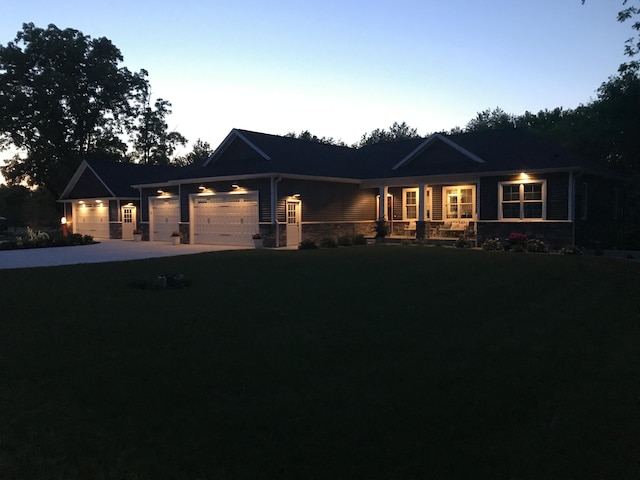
[165,218]
[226,219]
[92,220]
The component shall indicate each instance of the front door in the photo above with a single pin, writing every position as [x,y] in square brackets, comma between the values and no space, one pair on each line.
[294,216]
[128,222]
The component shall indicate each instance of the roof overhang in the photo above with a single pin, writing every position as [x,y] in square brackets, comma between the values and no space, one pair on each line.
[458,177]
[225,178]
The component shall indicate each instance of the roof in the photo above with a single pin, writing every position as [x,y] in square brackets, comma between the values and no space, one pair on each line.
[114,179]
[245,152]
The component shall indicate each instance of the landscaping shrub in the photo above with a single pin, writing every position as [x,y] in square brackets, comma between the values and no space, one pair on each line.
[307,244]
[345,241]
[328,242]
[570,250]
[492,244]
[359,240]
[464,242]
[536,246]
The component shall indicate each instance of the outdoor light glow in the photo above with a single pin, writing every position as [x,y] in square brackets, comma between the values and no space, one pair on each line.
[524,176]
[235,186]
[202,187]
[296,195]
[63,220]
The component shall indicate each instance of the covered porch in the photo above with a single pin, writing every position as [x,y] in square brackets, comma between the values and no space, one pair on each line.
[444,210]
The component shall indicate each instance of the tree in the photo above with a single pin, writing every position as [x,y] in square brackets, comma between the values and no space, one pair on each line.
[396,133]
[632,44]
[307,135]
[153,143]
[491,120]
[200,151]
[63,97]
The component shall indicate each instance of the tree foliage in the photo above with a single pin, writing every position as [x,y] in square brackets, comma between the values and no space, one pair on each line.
[396,133]
[491,120]
[153,143]
[65,96]
[199,152]
[307,135]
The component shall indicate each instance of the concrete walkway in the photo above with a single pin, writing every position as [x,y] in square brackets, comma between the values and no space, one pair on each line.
[105,251]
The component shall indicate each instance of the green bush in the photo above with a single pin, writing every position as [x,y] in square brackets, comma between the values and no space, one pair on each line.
[307,244]
[570,250]
[345,241]
[492,244]
[536,246]
[359,240]
[464,242]
[328,242]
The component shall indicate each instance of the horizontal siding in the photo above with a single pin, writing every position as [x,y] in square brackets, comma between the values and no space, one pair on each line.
[328,201]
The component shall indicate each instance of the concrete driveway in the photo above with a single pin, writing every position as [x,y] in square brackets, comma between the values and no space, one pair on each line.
[105,251]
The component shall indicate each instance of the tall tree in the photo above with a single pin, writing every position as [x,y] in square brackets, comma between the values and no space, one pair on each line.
[63,96]
[491,120]
[307,135]
[200,151]
[153,143]
[396,133]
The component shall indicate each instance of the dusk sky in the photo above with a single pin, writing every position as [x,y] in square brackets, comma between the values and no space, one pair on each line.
[343,68]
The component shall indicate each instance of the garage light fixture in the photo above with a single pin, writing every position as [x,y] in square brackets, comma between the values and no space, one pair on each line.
[296,195]
[235,186]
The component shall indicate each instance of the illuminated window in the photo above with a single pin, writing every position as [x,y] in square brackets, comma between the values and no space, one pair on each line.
[459,202]
[410,203]
[521,201]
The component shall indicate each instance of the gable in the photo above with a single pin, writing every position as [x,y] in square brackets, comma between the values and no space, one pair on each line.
[438,156]
[238,156]
[88,185]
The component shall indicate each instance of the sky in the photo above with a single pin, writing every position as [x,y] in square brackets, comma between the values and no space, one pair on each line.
[344,68]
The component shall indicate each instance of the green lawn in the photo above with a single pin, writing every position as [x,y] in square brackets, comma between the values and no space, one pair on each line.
[361,362]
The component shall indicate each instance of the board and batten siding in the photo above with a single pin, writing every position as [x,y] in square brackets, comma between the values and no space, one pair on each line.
[328,201]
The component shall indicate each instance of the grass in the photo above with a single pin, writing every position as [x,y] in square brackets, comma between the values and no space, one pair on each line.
[361,362]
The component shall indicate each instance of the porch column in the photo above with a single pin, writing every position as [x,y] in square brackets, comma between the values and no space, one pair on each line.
[420,223]
[382,212]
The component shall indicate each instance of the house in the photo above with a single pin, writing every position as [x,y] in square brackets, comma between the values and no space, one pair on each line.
[480,185]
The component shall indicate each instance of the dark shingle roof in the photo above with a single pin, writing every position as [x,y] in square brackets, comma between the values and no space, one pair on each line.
[245,152]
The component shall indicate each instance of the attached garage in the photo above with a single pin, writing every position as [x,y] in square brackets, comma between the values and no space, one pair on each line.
[225,219]
[91,218]
[164,218]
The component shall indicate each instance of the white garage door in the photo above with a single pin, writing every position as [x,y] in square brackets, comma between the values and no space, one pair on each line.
[164,218]
[92,219]
[227,219]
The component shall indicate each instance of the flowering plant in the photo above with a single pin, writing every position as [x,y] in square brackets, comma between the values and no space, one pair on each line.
[175,233]
[517,238]
[256,236]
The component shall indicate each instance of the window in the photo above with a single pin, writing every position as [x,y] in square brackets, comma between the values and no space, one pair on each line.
[459,202]
[410,203]
[521,201]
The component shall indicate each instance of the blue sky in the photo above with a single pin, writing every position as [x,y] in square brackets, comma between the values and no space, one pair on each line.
[343,68]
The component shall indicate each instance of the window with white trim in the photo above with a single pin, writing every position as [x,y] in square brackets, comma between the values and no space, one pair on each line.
[410,204]
[459,202]
[523,200]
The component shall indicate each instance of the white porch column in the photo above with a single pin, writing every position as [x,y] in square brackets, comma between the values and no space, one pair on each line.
[382,212]
[421,201]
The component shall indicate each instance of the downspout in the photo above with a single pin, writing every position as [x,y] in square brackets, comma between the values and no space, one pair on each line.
[274,206]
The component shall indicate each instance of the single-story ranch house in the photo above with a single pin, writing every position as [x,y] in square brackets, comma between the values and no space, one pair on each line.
[481,185]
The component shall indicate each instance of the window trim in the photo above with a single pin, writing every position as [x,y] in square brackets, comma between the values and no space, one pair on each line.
[522,201]
[405,204]
[445,203]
